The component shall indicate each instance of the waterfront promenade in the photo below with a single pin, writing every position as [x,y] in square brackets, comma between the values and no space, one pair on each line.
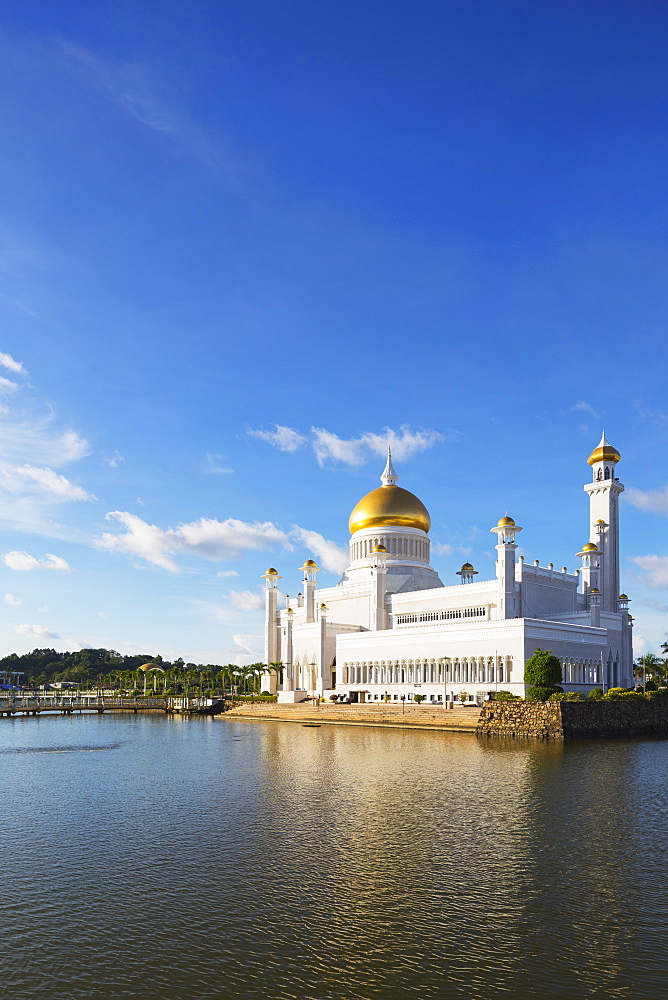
[388,716]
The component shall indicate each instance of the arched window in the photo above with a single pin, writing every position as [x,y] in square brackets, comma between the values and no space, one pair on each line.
[607,472]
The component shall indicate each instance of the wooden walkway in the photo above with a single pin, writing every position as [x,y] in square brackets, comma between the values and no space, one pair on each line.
[405,716]
[70,705]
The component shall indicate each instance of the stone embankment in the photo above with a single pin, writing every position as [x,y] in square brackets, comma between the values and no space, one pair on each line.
[388,716]
[574,719]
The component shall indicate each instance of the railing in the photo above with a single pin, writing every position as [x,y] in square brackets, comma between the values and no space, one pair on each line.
[57,702]
[413,618]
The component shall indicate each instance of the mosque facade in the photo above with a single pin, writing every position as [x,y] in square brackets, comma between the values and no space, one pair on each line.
[390,630]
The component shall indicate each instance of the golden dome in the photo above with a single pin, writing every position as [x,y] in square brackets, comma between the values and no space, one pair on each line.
[389,507]
[505,522]
[594,590]
[589,547]
[309,564]
[604,452]
[271,572]
[466,566]
[379,548]
[623,597]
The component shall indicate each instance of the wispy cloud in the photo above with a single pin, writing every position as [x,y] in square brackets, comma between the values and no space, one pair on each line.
[333,557]
[24,562]
[133,87]
[14,602]
[114,460]
[583,407]
[284,438]
[227,572]
[655,501]
[656,568]
[207,537]
[38,632]
[328,447]
[445,549]
[214,464]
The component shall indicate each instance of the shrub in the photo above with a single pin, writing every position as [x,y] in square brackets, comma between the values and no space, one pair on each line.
[595,694]
[557,696]
[506,696]
[542,675]
[650,686]
[621,694]
[417,698]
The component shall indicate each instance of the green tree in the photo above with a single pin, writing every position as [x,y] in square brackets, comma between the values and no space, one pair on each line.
[542,675]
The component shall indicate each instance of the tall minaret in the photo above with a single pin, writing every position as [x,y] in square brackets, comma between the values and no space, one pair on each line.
[271,628]
[507,590]
[604,493]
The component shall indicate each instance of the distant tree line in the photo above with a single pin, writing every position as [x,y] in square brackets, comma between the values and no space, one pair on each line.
[107,668]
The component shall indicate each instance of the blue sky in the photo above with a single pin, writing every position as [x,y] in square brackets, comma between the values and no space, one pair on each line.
[241,245]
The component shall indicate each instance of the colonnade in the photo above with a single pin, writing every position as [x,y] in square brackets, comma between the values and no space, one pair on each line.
[454,670]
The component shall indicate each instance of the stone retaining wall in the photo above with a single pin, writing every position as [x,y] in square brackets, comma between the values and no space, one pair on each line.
[574,719]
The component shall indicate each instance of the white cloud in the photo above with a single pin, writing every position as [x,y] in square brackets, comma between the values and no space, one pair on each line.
[656,568]
[332,556]
[207,537]
[114,461]
[24,562]
[245,600]
[653,500]
[13,601]
[583,407]
[355,451]
[36,632]
[7,361]
[7,386]
[21,479]
[227,572]
[283,438]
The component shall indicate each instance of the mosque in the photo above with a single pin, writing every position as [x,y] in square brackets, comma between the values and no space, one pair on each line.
[391,630]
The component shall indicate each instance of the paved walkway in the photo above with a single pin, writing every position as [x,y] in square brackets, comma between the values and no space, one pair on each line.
[390,716]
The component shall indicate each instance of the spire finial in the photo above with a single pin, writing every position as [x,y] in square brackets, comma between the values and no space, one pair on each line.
[389,476]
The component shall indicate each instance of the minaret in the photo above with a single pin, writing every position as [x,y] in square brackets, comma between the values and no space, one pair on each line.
[309,569]
[507,599]
[379,573]
[604,493]
[271,627]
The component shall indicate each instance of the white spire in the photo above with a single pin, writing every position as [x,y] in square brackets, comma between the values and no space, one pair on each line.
[389,476]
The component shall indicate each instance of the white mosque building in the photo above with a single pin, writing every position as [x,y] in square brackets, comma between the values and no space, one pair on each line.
[390,629]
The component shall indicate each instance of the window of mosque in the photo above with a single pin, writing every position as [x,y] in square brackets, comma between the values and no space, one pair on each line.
[434,616]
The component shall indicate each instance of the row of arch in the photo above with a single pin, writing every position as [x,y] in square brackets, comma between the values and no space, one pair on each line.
[401,546]
[454,670]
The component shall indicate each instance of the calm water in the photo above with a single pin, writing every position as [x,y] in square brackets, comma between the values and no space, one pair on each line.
[156,858]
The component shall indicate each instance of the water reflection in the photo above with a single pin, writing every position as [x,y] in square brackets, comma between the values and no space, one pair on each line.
[208,859]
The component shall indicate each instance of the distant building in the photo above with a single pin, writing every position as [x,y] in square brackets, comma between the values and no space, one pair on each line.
[391,629]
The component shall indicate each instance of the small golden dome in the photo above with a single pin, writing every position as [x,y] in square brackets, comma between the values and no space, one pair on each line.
[505,522]
[589,547]
[323,607]
[604,452]
[389,507]
[600,521]
[594,590]
[310,563]
[465,567]
[623,597]
[271,572]
[379,548]
[151,666]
